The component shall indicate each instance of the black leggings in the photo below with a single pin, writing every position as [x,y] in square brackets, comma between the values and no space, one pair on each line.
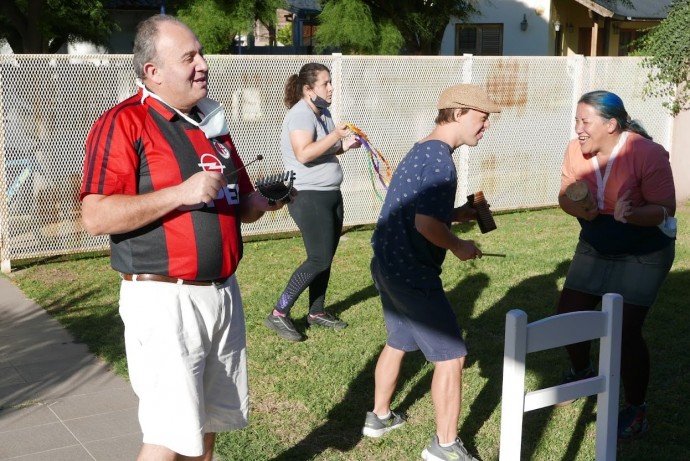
[634,352]
[319,216]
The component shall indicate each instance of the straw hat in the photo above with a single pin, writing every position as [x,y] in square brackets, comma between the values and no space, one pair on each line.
[467,96]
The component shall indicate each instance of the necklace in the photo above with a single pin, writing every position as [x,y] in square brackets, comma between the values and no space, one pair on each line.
[602,180]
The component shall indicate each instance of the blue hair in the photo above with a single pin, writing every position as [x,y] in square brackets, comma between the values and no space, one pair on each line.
[610,105]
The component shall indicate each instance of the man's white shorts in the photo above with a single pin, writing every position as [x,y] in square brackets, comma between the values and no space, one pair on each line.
[186,353]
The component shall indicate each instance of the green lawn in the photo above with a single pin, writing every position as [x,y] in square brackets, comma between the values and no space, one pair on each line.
[308,400]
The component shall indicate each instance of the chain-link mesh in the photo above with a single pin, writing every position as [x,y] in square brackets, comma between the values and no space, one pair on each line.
[48,104]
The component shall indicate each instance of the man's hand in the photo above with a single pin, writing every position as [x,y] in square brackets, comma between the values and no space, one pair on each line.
[464,213]
[202,187]
[253,206]
[466,249]
[438,233]
[262,203]
[117,214]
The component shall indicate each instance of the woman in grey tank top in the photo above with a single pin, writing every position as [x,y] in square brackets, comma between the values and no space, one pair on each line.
[310,143]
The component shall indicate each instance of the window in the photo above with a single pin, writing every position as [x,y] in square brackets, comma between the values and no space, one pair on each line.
[308,31]
[479,39]
[626,41]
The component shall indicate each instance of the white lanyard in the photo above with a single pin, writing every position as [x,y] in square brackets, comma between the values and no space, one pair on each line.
[601,182]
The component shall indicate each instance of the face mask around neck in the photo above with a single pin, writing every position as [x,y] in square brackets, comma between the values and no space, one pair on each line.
[669,225]
[213,123]
[319,102]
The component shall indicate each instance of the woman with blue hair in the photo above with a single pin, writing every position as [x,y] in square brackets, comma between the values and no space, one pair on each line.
[627,237]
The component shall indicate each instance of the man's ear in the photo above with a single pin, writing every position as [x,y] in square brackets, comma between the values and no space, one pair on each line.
[151,72]
[457,113]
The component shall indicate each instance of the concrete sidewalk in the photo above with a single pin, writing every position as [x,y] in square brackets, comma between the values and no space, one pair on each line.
[57,400]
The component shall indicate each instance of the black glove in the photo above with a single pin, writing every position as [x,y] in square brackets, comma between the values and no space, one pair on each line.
[276,188]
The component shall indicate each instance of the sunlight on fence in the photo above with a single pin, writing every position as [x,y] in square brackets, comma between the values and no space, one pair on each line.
[48,103]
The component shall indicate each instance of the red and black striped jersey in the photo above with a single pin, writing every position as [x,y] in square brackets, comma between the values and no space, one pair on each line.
[139,147]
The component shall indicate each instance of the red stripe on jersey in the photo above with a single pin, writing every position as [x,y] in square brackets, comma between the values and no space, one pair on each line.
[182,250]
[98,147]
[182,254]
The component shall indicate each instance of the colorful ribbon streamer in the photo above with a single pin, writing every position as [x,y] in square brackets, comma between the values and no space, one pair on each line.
[377,162]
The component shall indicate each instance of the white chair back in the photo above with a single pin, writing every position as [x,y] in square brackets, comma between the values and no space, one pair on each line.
[555,332]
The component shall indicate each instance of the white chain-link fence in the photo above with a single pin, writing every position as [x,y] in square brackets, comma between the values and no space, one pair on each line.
[48,104]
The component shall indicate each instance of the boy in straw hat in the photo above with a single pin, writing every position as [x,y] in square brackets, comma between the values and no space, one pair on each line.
[410,243]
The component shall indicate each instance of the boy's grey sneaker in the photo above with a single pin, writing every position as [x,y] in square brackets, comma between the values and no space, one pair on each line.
[326,320]
[376,427]
[455,452]
[283,326]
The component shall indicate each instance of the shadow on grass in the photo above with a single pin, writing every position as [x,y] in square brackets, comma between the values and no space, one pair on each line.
[101,329]
[22,264]
[485,339]
[485,333]
[665,330]
[99,326]
[338,431]
[88,308]
[343,427]
[354,299]
[338,308]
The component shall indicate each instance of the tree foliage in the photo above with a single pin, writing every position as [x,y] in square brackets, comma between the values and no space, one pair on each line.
[388,26]
[284,35]
[667,54]
[43,26]
[347,25]
[217,22]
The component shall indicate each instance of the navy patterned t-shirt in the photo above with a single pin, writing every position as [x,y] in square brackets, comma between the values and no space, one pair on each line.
[425,182]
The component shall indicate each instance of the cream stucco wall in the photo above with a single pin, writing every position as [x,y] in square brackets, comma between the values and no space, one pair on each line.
[535,40]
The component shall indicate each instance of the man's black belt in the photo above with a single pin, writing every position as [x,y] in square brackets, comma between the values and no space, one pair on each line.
[166,279]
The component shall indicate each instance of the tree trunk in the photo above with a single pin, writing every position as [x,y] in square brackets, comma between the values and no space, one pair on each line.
[272,41]
[419,46]
[33,39]
[16,37]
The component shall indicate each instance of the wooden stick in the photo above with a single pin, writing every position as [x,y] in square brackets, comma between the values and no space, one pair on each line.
[500,255]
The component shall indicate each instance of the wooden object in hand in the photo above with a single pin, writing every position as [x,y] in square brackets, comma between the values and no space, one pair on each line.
[579,193]
[485,218]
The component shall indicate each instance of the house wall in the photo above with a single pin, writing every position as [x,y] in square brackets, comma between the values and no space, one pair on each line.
[535,41]
[574,18]
[541,38]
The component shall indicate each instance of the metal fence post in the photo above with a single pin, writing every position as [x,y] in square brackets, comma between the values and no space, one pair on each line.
[337,79]
[5,265]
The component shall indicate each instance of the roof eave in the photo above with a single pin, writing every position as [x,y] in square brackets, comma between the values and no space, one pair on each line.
[605,12]
[596,8]
[619,17]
